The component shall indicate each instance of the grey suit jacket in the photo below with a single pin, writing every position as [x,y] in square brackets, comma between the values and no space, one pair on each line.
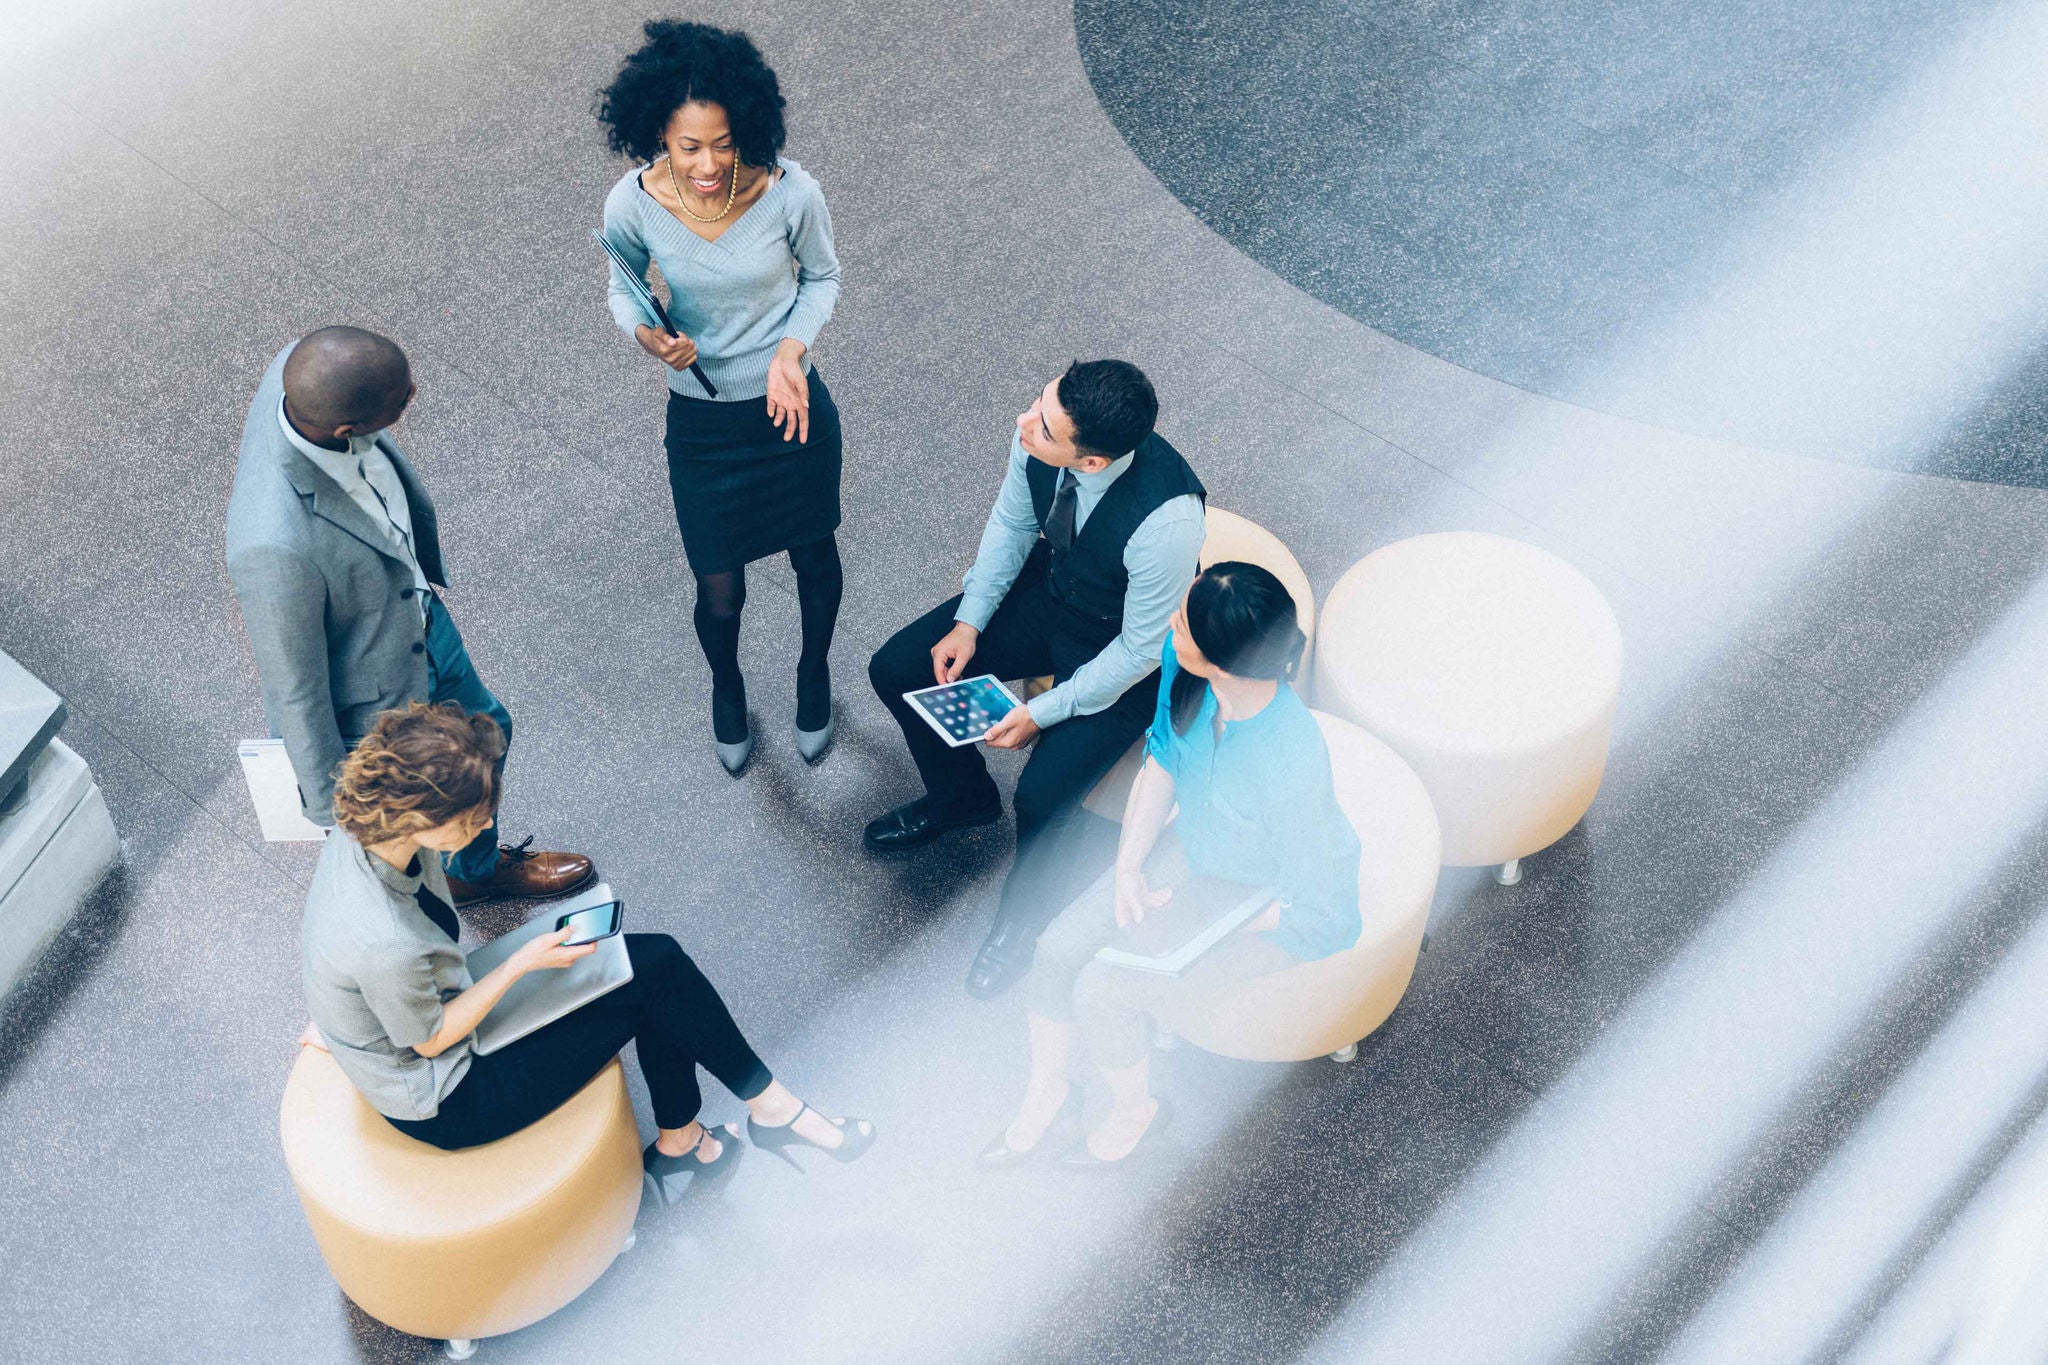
[331,610]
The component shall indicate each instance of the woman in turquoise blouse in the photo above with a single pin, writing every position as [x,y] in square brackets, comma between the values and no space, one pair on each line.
[1240,754]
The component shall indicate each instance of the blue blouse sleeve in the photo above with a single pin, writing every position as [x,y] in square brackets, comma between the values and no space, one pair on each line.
[1317,851]
[1159,740]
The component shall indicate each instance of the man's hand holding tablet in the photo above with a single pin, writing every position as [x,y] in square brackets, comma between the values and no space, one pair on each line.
[965,712]
[950,657]
[1013,731]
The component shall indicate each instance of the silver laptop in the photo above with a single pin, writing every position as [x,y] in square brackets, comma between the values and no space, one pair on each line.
[539,998]
[1203,912]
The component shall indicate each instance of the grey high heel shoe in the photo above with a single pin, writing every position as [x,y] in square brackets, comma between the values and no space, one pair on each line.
[728,704]
[735,757]
[812,744]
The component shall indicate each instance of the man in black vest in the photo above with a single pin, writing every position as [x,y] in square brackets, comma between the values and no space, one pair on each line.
[1091,546]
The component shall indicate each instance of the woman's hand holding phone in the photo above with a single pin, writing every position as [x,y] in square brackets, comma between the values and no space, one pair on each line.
[549,952]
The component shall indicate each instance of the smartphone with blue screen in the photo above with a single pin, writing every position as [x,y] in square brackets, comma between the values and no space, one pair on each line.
[592,923]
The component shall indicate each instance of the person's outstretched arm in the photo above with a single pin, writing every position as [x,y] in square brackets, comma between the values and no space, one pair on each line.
[1150,804]
[1145,815]
[817,291]
[1006,543]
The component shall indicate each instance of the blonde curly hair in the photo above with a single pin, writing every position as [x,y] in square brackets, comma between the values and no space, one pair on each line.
[420,767]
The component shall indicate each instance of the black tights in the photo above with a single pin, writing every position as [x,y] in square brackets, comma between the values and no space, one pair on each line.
[721,597]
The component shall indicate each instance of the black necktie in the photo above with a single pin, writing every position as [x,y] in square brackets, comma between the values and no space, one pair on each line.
[1059,523]
[440,912]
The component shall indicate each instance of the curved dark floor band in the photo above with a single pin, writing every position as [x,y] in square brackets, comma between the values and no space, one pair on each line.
[1530,189]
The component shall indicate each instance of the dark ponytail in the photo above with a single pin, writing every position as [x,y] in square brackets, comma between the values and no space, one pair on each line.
[1242,619]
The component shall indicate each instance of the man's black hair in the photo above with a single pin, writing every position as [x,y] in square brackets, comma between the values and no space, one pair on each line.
[1111,404]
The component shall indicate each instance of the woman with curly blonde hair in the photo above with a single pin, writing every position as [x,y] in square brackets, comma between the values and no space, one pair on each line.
[392,998]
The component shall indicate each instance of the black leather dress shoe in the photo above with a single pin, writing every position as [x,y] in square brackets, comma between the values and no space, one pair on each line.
[1004,958]
[918,823]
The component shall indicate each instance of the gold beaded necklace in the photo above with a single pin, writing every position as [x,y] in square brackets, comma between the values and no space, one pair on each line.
[730,194]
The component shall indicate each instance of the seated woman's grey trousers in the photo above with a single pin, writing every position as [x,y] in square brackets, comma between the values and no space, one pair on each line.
[1113,1005]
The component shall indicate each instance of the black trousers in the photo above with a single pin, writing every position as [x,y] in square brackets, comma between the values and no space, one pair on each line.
[1030,635]
[668,1011]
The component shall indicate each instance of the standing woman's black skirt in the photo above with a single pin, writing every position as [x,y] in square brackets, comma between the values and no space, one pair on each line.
[741,491]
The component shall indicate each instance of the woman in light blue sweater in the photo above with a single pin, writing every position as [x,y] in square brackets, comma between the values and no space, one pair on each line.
[744,241]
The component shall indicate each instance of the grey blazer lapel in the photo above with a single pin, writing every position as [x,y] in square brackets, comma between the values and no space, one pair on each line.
[426,523]
[326,500]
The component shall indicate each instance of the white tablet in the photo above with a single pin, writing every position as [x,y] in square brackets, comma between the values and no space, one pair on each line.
[963,712]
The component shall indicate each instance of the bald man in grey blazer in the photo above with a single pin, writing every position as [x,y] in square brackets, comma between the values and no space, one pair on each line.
[335,551]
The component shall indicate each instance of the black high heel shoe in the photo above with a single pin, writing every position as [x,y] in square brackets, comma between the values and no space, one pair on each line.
[999,1155]
[705,1176]
[1081,1159]
[857,1136]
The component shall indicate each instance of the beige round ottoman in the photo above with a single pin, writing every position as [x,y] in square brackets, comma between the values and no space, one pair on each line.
[468,1244]
[1493,667]
[1327,1006]
[1227,537]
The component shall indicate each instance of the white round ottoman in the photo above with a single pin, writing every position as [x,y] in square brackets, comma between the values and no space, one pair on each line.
[1493,668]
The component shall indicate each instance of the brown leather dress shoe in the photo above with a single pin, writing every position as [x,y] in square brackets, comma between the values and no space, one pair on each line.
[523,874]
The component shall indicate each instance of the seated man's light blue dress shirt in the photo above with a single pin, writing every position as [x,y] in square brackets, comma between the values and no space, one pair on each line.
[1160,557]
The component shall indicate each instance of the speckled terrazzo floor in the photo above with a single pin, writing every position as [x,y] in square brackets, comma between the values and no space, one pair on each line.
[1739,1072]
[1728,218]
